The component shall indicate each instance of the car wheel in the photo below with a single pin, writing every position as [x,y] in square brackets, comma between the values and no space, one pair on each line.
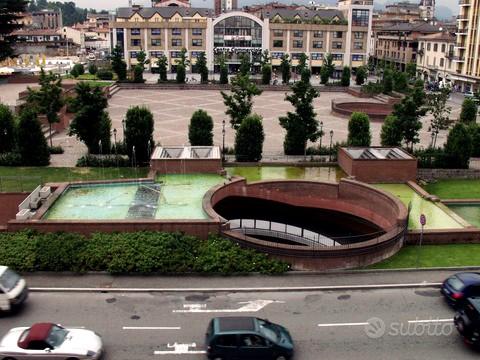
[281,357]
[461,325]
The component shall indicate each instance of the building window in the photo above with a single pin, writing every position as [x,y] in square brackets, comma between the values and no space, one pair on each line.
[277,32]
[316,56]
[156,31]
[195,54]
[428,46]
[296,56]
[360,17]
[443,48]
[435,47]
[156,42]
[135,31]
[277,55]
[336,45]
[318,34]
[133,54]
[358,45]
[358,35]
[318,44]
[298,44]
[337,34]
[337,56]
[197,42]
[277,43]
[297,33]
[176,31]
[135,42]
[196,31]
[156,54]
[175,54]
[176,42]
[357,57]
[442,62]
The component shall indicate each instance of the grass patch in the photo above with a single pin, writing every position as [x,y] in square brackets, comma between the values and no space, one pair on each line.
[455,189]
[27,178]
[433,256]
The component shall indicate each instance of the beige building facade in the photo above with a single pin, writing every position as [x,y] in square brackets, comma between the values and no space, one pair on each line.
[435,57]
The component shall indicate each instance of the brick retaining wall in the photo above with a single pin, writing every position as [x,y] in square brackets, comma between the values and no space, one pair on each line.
[434,174]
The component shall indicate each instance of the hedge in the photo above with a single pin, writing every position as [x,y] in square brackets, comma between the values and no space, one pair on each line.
[139,252]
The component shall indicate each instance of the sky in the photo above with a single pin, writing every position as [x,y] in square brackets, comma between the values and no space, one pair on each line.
[113,4]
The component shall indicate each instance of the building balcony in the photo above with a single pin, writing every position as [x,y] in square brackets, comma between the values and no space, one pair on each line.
[462,18]
[463,31]
[460,45]
[458,59]
[464,2]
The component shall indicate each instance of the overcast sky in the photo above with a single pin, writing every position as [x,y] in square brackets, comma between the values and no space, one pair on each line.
[113,4]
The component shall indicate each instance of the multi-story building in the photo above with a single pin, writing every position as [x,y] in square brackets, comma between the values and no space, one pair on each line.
[47,19]
[44,42]
[467,49]
[222,6]
[342,32]
[435,57]
[398,44]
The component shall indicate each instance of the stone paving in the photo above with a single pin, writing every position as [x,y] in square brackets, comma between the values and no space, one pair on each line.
[172,110]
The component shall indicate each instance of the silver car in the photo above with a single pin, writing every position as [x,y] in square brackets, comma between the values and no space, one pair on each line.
[50,341]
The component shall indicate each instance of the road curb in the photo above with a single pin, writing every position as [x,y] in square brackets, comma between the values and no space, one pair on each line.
[233,290]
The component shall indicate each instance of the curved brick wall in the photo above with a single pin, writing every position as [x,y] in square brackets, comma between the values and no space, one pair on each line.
[348,196]
[375,111]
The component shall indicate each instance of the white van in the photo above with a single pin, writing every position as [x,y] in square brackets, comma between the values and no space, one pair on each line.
[13,289]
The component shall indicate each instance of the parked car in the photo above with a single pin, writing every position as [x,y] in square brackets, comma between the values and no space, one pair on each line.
[242,338]
[50,341]
[469,94]
[467,321]
[460,286]
[13,289]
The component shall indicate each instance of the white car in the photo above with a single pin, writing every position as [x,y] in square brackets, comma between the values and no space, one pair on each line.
[50,341]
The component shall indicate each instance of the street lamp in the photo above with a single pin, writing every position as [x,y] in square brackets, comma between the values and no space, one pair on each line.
[223,140]
[321,135]
[330,152]
[115,140]
[123,128]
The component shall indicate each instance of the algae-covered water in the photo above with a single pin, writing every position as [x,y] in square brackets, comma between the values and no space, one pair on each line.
[257,173]
[469,212]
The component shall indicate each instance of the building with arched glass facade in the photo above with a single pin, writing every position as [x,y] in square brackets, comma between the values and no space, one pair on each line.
[342,31]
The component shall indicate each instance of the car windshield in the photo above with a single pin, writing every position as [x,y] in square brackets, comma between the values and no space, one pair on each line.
[455,283]
[57,336]
[269,330]
[9,279]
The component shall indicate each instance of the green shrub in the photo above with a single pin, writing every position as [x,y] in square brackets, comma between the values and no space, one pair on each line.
[249,139]
[468,114]
[77,70]
[32,144]
[361,75]
[103,161]
[359,130]
[10,159]
[372,88]
[105,74]
[92,69]
[200,130]
[345,76]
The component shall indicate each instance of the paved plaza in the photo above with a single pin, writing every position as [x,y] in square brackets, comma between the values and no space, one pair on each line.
[172,110]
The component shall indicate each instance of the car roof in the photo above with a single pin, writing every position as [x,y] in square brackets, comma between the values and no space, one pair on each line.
[469,277]
[2,269]
[235,323]
[38,332]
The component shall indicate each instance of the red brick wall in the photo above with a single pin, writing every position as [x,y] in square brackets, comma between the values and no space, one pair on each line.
[448,236]
[9,206]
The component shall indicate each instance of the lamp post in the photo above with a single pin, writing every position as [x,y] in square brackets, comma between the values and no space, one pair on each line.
[321,135]
[330,152]
[123,128]
[115,140]
[223,140]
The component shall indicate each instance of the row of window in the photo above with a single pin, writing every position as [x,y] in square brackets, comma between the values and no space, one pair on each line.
[174,42]
[317,44]
[173,54]
[436,47]
[158,31]
[316,56]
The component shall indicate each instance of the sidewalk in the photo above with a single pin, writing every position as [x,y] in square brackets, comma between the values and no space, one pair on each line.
[350,278]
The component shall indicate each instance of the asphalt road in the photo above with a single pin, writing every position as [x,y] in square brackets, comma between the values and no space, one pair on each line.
[324,325]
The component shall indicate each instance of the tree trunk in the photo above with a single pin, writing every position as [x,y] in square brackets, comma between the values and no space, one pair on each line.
[50,128]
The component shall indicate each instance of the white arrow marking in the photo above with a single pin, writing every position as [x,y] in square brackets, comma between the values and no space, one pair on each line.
[429,321]
[250,306]
[180,349]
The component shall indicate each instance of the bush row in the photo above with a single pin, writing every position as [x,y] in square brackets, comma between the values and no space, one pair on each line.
[10,159]
[140,252]
[104,161]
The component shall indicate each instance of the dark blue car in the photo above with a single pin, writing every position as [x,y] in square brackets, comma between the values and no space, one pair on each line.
[457,288]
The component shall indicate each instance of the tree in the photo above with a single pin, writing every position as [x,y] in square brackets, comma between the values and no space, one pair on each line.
[245,64]
[359,130]
[391,133]
[346,76]
[200,129]
[324,75]
[181,74]
[327,68]
[10,13]
[303,68]
[387,81]
[411,70]
[400,81]
[139,133]
[239,102]
[92,69]
[458,146]
[162,63]
[202,67]
[301,125]
[285,67]
[249,139]
[48,99]
[91,123]
[223,69]
[77,70]
[119,66]
[266,68]
[182,64]
[437,106]
[408,115]
[474,130]
[418,95]
[32,144]
[139,68]
[469,111]
[7,129]
[370,65]
[361,75]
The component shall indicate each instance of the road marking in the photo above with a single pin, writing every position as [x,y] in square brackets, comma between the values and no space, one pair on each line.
[249,306]
[429,321]
[344,324]
[232,289]
[151,328]
[179,349]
